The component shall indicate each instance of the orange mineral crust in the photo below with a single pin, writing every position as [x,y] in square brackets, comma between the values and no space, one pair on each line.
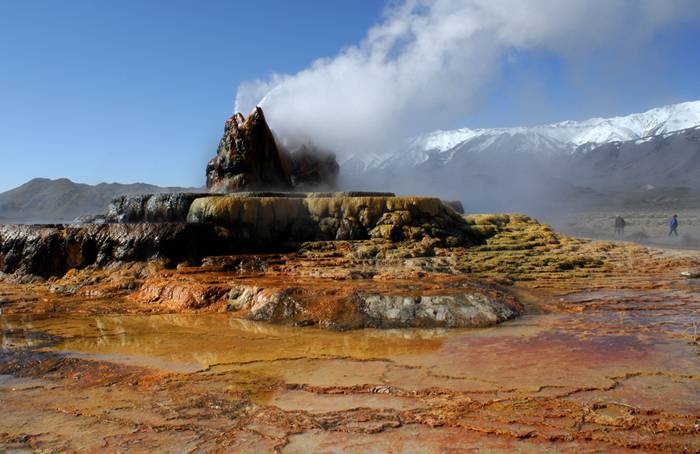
[539,342]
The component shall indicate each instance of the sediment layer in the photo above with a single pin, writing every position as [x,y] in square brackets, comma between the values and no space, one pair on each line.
[332,284]
[333,218]
[52,250]
[180,227]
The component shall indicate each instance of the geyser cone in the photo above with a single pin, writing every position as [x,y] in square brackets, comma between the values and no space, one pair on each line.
[248,158]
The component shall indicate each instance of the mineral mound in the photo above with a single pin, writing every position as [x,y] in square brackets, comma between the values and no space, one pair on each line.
[254,208]
[178,227]
[249,159]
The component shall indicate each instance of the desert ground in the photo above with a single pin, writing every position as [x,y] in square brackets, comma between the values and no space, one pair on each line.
[603,358]
[644,226]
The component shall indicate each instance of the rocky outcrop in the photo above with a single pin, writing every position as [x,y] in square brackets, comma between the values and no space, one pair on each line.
[313,168]
[333,218]
[152,208]
[155,208]
[52,250]
[249,159]
[256,217]
[460,310]
[335,303]
[193,226]
[477,306]
[455,205]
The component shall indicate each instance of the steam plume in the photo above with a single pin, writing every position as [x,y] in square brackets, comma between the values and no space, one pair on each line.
[427,63]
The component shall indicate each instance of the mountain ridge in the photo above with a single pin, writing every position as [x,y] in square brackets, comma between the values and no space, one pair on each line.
[549,167]
[659,120]
[44,200]
[565,137]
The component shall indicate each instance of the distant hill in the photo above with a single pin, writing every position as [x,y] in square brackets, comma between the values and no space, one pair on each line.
[42,200]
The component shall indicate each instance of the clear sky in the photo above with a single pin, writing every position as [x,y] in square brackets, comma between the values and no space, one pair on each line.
[138,90]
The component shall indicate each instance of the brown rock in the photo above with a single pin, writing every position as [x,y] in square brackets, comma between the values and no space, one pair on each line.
[248,157]
[313,168]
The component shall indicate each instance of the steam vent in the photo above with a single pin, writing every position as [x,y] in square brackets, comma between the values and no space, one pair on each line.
[255,207]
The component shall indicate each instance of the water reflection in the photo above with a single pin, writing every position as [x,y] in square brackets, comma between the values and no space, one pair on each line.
[199,341]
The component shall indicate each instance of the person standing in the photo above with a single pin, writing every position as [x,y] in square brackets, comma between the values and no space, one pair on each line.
[620,226]
[673,225]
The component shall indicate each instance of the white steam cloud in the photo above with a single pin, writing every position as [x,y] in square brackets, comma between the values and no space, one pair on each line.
[426,65]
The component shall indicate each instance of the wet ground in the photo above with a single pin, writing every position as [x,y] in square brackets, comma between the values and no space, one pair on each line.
[598,370]
[605,357]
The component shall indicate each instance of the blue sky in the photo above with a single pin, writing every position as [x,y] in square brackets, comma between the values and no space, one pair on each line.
[135,90]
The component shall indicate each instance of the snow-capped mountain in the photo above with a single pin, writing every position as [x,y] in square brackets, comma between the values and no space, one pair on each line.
[620,129]
[509,166]
[563,137]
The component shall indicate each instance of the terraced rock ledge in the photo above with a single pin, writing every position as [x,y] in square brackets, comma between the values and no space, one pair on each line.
[210,235]
[179,227]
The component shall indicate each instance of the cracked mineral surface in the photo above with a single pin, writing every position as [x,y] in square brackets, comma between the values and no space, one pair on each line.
[604,356]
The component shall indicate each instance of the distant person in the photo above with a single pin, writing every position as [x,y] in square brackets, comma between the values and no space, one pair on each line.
[673,225]
[620,226]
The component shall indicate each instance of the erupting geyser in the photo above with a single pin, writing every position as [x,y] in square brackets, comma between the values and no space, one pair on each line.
[255,206]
